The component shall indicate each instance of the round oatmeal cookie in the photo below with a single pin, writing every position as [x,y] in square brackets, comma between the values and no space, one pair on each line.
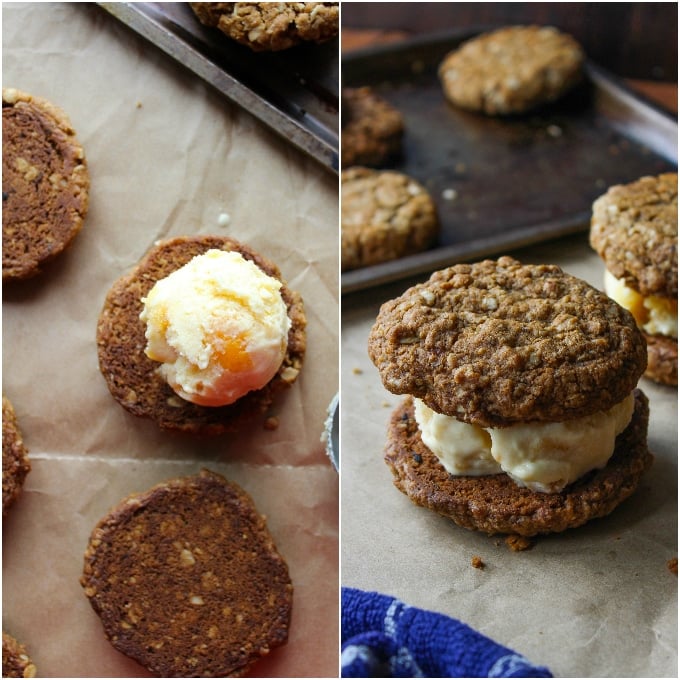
[132,377]
[45,183]
[512,70]
[16,662]
[634,228]
[15,461]
[495,503]
[186,579]
[271,26]
[384,215]
[499,342]
[371,128]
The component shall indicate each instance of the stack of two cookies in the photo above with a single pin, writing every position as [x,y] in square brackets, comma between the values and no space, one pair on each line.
[522,415]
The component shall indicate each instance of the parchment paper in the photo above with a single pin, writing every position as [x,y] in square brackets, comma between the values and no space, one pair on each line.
[167,156]
[596,601]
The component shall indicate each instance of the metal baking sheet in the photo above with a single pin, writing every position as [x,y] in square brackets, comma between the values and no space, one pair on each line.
[503,183]
[294,91]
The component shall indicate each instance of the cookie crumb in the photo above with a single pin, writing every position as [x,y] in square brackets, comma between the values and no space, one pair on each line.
[449,194]
[271,423]
[477,562]
[518,543]
[672,565]
[357,371]
[138,105]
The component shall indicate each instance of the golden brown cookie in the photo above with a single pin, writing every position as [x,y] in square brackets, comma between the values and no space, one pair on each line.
[132,377]
[16,662]
[511,70]
[385,215]
[634,228]
[495,503]
[271,26]
[187,581]
[15,461]
[499,342]
[45,183]
[371,128]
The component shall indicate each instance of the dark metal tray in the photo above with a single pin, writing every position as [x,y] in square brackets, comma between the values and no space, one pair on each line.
[503,183]
[294,92]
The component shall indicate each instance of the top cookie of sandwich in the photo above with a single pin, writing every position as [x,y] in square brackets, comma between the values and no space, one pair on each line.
[499,342]
[511,70]
[634,228]
[271,26]
[45,183]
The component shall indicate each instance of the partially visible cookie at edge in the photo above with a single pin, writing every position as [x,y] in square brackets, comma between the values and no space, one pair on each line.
[634,229]
[372,128]
[207,593]
[45,183]
[16,663]
[512,70]
[15,461]
[271,26]
[132,377]
[385,215]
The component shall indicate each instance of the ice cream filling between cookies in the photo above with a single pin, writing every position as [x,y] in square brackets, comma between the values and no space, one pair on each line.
[656,315]
[543,457]
[218,326]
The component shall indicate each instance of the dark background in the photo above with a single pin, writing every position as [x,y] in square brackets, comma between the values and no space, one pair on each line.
[633,40]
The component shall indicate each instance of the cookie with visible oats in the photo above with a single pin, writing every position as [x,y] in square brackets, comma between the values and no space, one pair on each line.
[512,70]
[372,128]
[16,663]
[271,26]
[385,215]
[495,503]
[494,343]
[187,580]
[132,377]
[45,184]
[634,228]
[15,461]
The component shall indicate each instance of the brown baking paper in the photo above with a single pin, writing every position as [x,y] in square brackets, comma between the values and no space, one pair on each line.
[168,156]
[596,601]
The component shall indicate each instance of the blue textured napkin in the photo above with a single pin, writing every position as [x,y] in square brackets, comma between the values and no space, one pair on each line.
[383,637]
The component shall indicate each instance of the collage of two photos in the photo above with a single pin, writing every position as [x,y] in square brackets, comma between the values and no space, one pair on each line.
[339,339]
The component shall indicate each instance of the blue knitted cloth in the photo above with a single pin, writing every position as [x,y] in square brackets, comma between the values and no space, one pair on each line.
[383,637]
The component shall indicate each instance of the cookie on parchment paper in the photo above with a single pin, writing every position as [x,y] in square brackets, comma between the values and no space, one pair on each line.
[132,377]
[15,461]
[372,128]
[45,183]
[16,663]
[187,580]
[271,26]
[385,215]
[634,228]
[502,347]
[512,70]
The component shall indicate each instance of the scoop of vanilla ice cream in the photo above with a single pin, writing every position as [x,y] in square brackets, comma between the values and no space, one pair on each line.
[654,314]
[218,326]
[543,457]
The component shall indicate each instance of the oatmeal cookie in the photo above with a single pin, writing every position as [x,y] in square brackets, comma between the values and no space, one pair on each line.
[271,26]
[15,461]
[186,579]
[511,70]
[45,184]
[132,377]
[499,342]
[495,503]
[371,128]
[16,662]
[634,228]
[384,215]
